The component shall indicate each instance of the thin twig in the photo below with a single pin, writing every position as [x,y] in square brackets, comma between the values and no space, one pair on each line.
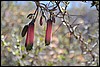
[74,20]
[57,28]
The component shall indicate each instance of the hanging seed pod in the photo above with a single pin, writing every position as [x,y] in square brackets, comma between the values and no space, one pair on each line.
[41,23]
[53,19]
[48,32]
[30,37]
[24,30]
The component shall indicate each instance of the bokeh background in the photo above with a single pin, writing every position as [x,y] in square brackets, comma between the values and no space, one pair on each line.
[64,50]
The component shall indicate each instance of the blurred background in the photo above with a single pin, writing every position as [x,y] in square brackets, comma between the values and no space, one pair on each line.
[64,50]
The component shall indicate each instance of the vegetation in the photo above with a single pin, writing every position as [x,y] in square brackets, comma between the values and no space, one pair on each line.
[74,40]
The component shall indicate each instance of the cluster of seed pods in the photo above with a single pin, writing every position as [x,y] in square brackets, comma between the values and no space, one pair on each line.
[48,34]
[29,30]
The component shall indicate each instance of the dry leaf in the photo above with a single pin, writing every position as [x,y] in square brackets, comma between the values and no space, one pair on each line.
[80,58]
[55,40]
[71,55]
[53,45]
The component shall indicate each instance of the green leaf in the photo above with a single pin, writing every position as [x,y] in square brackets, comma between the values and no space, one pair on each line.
[22,48]
[17,44]
[17,52]
[9,49]
[23,56]
[41,49]
[41,39]
[89,40]
[61,57]
[49,63]
[3,43]
[37,51]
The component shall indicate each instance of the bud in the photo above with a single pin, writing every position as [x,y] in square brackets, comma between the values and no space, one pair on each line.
[30,16]
[53,19]
[24,30]
[41,21]
[48,32]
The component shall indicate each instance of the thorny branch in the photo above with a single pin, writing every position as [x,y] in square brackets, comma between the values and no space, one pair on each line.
[79,37]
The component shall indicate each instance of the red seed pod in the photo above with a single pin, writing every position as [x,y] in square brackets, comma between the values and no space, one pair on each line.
[30,37]
[48,32]
[41,23]
[24,30]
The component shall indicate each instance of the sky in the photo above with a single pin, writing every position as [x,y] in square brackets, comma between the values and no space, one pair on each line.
[72,3]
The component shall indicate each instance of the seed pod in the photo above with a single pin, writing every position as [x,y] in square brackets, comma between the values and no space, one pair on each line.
[30,37]
[24,30]
[48,32]
[41,23]
[53,19]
